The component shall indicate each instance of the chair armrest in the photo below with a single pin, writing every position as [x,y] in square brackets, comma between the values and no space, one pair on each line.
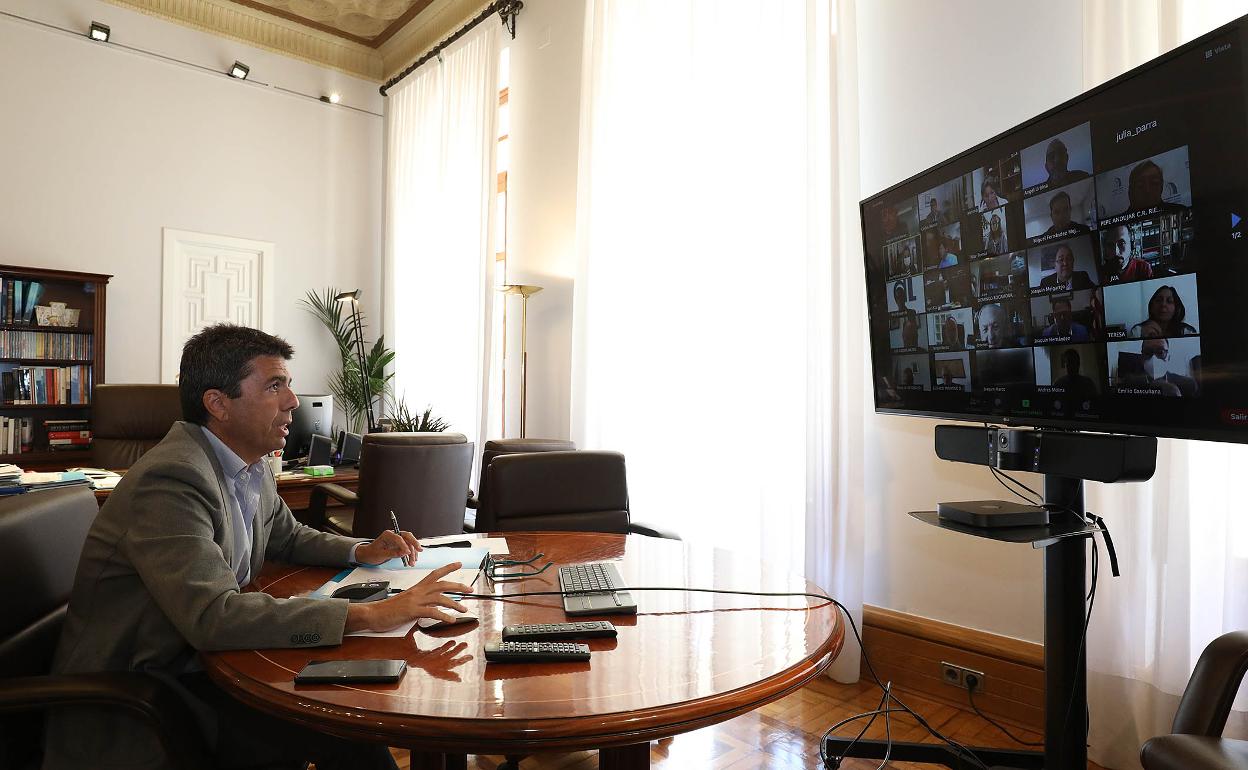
[1207,700]
[641,528]
[154,701]
[473,502]
[320,495]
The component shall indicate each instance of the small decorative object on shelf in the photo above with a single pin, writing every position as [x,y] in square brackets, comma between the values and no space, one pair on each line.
[51,357]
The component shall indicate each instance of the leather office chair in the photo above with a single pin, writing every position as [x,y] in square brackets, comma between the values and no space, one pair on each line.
[574,491]
[483,521]
[128,420]
[1196,741]
[419,476]
[41,537]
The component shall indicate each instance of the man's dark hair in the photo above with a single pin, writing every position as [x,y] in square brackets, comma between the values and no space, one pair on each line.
[1058,197]
[220,357]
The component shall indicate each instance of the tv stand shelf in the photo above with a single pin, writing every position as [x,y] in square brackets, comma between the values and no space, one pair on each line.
[1039,537]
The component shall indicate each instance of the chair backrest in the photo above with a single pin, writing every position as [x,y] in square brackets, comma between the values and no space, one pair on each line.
[41,538]
[576,491]
[422,477]
[505,446]
[128,420]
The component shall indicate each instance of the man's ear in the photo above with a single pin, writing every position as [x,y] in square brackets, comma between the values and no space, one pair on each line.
[216,402]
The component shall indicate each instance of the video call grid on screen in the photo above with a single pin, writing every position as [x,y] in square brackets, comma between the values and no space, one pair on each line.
[1094,271]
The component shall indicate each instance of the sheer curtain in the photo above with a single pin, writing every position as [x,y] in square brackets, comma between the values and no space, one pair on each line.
[717,332]
[439,191]
[1182,538]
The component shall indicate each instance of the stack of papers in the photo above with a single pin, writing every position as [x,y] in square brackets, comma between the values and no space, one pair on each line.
[11,480]
[34,480]
[98,477]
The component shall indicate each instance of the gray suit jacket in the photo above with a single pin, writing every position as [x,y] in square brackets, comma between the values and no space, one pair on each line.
[154,585]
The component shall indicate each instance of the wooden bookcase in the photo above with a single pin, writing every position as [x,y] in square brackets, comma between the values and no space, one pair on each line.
[25,344]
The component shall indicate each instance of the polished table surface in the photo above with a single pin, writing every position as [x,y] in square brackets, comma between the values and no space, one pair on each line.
[294,488]
[685,661]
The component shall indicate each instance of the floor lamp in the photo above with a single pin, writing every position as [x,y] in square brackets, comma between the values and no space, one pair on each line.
[525,291]
[354,298]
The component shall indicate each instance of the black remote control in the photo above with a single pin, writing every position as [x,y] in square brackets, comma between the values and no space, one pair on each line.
[532,632]
[535,652]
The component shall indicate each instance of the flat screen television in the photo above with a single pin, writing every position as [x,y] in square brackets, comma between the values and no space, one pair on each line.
[1087,269]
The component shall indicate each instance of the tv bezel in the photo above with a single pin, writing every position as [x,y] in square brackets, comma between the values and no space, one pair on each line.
[1223,435]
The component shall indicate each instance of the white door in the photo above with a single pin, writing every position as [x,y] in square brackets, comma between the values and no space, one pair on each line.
[208,279]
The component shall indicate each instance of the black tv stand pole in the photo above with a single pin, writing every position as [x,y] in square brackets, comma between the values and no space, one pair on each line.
[1096,457]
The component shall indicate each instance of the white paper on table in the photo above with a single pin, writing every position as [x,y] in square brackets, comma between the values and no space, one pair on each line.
[494,545]
[405,577]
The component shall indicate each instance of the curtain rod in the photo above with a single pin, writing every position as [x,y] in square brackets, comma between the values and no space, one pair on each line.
[506,10]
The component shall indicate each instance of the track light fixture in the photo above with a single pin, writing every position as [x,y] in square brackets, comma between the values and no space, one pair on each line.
[333,98]
[99,32]
[239,70]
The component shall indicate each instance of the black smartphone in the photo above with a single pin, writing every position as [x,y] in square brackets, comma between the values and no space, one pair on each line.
[347,671]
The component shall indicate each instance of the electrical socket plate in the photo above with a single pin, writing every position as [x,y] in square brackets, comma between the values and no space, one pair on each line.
[956,675]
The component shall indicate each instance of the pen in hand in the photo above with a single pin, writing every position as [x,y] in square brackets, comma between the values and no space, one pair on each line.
[394,525]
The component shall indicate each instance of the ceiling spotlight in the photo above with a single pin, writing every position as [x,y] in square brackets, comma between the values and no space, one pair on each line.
[333,98]
[99,32]
[239,70]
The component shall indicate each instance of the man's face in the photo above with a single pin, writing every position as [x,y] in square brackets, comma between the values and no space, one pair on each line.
[1065,263]
[1055,158]
[1059,209]
[899,296]
[1158,348]
[909,333]
[255,423]
[931,207]
[992,326]
[1146,188]
[1062,316]
[1122,246]
[1071,362]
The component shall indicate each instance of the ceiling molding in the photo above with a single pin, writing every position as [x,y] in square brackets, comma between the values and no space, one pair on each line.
[262,30]
[435,23]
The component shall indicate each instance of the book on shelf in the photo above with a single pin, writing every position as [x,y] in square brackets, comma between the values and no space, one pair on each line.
[16,434]
[70,385]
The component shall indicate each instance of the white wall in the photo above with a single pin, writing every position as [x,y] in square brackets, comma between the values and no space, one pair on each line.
[545,123]
[104,147]
[936,79]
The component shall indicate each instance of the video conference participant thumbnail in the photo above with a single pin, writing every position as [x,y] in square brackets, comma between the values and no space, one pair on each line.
[1072,317]
[948,288]
[944,204]
[1004,371]
[1151,247]
[902,257]
[1062,266]
[1156,367]
[1062,212]
[951,372]
[907,333]
[1077,372]
[1160,184]
[988,233]
[1161,307]
[911,372]
[949,329]
[905,295]
[1001,324]
[892,220]
[1058,161]
[1000,277]
[942,246]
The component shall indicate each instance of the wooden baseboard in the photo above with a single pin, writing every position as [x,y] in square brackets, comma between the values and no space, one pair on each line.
[908,650]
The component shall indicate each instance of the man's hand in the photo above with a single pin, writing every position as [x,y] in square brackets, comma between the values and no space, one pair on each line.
[386,546]
[422,600]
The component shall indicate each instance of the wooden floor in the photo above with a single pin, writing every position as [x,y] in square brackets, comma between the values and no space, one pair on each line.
[785,735]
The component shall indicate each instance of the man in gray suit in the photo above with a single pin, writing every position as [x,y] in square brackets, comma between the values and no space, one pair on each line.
[161,573]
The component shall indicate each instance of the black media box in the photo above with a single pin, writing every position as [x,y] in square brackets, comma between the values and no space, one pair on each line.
[993,513]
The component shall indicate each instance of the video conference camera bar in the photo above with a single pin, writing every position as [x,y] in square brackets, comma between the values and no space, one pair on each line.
[1090,456]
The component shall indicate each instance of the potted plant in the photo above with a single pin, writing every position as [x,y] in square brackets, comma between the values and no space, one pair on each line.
[346,384]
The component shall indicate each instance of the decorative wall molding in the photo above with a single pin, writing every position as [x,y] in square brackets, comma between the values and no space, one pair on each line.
[227,19]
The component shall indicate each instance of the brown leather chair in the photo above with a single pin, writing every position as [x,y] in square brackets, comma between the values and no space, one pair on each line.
[41,537]
[128,420]
[1196,741]
[419,476]
[483,521]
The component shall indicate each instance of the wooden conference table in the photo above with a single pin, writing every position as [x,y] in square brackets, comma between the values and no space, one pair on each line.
[685,661]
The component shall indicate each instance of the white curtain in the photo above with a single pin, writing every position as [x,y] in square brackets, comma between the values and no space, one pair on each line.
[439,195]
[717,328]
[1182,538]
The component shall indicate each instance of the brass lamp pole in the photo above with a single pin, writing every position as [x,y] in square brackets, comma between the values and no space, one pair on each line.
[525,291]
